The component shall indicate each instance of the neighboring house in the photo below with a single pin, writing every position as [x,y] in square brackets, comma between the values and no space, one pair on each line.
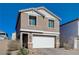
[38,28]
[14,36]
[3,35]
[70,34]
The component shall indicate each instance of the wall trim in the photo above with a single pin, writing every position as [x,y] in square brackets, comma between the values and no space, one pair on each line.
[47,32]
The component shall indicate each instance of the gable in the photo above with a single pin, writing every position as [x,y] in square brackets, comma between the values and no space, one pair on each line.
[40,11]
[48,15]
[32,12]
[45,13]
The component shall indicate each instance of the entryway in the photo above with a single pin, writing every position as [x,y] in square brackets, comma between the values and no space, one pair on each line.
[25,40]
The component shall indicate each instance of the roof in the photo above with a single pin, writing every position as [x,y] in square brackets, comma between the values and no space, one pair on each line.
[70,22]
[36,10]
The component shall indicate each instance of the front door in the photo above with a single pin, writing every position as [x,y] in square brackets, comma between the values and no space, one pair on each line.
[25,40]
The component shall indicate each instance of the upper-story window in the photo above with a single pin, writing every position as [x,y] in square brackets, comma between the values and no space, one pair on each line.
[32,20]
[51,24]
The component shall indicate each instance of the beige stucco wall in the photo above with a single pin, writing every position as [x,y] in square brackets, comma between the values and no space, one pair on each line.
[42,23]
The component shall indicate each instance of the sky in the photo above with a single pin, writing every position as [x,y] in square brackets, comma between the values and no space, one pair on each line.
[9,11]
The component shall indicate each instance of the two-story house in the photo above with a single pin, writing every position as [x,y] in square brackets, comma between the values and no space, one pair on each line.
[38,28]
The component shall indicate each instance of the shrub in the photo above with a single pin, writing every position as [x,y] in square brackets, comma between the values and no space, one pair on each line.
[66,46]
[13,45]
[23,51]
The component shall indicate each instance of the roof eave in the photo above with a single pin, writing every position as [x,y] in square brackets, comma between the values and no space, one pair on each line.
[49,12]
[24,10]
[35,9]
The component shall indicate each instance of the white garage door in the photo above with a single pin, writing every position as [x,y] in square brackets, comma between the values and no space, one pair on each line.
[43,42]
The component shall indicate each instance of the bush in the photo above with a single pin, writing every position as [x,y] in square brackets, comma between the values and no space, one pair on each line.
[13,45]
[66,46]
[23,51]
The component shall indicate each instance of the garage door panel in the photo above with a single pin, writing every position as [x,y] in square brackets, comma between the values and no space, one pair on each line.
[43,42]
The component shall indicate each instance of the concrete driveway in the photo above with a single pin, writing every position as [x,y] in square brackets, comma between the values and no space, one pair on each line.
[55,51]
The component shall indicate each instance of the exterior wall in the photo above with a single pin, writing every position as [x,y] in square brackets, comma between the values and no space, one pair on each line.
[78,28]
[77,43]
[30,39]
[14,36]
[42,23]
[68,33]
[18,26]
[77,39]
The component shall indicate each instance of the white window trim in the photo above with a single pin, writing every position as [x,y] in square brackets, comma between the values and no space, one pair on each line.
[36,19]
[53,23]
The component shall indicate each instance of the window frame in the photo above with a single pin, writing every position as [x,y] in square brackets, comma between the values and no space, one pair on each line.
[52,22]
[31,19]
